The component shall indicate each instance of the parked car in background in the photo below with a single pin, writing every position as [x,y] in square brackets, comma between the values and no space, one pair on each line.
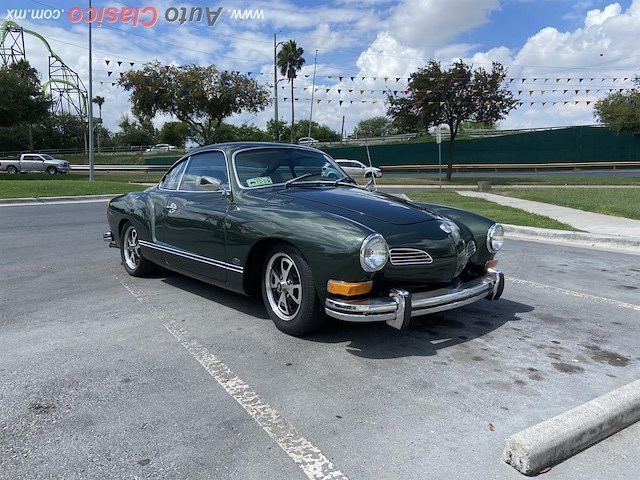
[354,168]
[265,218]
[34,162]
[308,141]
[162,147]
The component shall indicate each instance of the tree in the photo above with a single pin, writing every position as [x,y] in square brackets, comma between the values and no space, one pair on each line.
[290,61]
[318,131]
[22,99]
[98,100]
[301,128]
[276,128]
[374,127]
[243,133]
[452,96]
[201,97]
[174,133]
[620,111]
[136,133]
[23,104]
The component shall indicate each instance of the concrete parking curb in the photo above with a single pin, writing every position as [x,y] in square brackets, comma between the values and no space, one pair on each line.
[612,243]
[50,200]
[553,441]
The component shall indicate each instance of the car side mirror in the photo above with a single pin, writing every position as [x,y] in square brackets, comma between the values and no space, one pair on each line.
[213,184]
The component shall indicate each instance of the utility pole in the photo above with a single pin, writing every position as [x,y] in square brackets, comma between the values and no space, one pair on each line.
[90,106]
[313,90]
[275,83]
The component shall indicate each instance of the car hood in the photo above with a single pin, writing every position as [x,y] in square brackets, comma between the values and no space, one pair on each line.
[355,203]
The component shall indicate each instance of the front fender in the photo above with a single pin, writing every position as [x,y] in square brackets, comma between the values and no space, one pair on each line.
[329,243]
[472,225]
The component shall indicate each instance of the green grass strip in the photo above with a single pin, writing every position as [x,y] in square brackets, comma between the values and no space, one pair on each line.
[499,213]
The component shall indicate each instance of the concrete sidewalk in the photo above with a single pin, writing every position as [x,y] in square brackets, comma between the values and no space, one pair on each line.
[603,231]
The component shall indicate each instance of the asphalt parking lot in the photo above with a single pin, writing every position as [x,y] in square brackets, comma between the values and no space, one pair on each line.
[110,376]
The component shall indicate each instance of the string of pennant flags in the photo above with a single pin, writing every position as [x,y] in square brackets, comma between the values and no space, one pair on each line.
[347,87]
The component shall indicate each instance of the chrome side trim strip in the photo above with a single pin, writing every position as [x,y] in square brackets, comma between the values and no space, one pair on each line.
[193,256]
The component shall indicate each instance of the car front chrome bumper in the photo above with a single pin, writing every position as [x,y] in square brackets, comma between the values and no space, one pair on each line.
[398,308]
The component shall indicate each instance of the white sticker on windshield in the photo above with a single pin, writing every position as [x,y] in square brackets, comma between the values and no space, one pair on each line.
[259,181]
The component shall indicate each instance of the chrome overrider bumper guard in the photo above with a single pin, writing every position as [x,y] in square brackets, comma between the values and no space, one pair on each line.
[108,237]
[398,308]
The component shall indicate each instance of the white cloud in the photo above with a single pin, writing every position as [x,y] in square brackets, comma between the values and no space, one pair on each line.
[423,23]
[598,17]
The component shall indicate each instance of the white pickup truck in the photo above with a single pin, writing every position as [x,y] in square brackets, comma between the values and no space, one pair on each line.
[34,162]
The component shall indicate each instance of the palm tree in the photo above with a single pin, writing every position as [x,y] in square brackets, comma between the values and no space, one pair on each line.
[290,61]
[98,100]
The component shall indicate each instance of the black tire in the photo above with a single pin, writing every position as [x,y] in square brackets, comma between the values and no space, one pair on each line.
[289,293]
[11,170]
[132,258]
[52,170]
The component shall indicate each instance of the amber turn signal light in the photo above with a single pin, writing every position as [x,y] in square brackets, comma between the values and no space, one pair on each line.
[491,264]
[349,289]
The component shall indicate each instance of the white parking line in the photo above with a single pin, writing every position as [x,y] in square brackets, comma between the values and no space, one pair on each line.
[572,293]
[308,457]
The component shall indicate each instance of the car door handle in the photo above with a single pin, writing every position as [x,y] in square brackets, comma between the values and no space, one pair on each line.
[172,207]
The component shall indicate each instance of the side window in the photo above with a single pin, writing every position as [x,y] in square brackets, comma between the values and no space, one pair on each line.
[172,179]
[206,164]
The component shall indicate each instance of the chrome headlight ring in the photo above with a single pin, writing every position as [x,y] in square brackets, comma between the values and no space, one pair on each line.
[374,253]
[495,238]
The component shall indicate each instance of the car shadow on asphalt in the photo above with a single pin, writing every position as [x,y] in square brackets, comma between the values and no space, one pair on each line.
[426,335]
[248,305]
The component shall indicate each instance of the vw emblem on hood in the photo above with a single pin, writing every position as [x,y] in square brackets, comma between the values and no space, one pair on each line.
[446,227]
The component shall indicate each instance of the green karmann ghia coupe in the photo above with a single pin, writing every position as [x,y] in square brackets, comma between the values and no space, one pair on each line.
[285,220]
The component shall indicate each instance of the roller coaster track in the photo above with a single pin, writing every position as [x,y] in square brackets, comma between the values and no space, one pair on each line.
[67,90]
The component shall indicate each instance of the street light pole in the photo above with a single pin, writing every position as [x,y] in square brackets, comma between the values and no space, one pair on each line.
[90,106]
[275,84]
[313,90]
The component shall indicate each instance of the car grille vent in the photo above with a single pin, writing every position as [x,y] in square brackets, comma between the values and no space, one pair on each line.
[409,256]
[471,249]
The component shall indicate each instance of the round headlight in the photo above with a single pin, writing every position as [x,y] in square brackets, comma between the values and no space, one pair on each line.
[374,253]
[495,238]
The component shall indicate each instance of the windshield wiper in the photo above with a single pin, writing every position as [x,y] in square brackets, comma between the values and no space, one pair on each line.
[342,181]
[293,180]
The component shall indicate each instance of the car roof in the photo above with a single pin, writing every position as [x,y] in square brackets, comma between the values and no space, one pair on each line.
[232,147]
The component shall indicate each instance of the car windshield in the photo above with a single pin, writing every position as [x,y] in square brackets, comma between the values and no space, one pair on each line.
[262,167]
[47,157]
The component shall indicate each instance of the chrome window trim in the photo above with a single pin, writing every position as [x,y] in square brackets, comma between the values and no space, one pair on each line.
[182,160]
[188,160]
[192,256]
[274,147]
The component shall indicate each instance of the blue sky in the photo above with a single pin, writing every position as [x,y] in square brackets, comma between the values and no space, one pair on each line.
[562,55]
